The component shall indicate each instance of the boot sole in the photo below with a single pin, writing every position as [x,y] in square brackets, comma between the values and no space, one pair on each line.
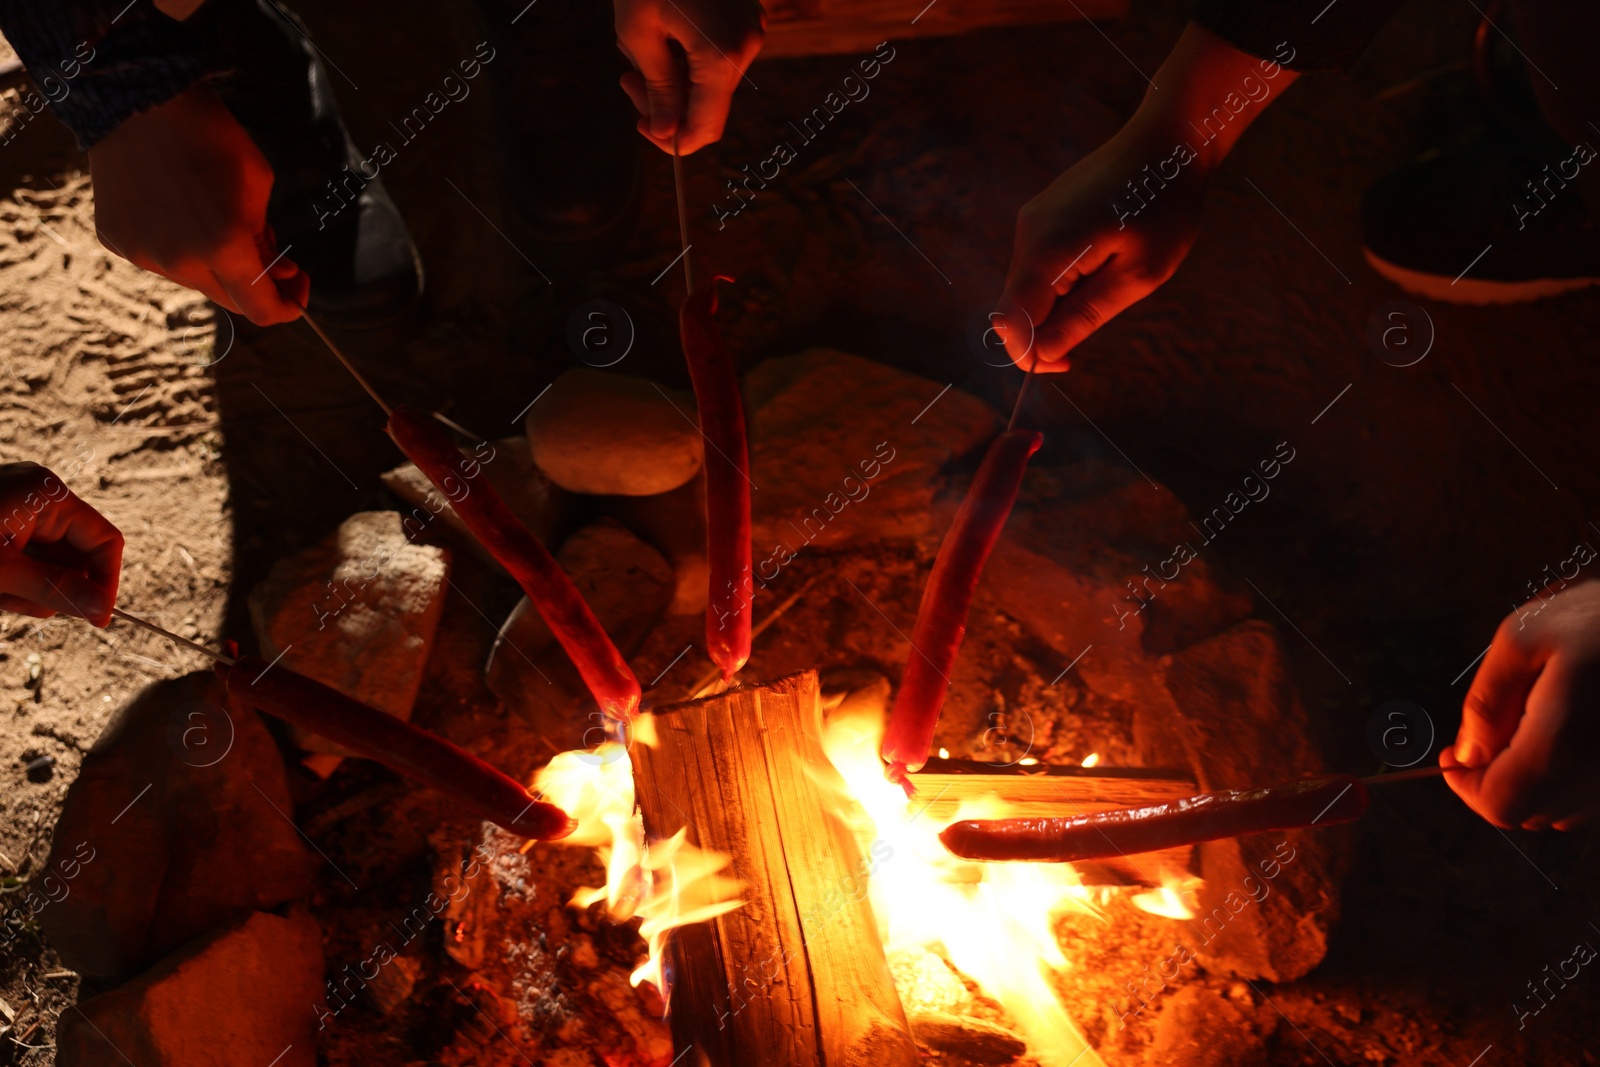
[1475,291]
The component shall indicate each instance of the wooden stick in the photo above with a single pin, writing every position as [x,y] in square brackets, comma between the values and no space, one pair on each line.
[1026,378]
[170,636]
[351,367]
[683,214]
[1410,775]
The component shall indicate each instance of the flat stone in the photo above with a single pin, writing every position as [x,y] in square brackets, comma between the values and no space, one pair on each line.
[245,994]
[357,611]
[1199,1027]
[842,450]
[628,586]
[510,469]
[178,822]
[597,432]
[1269,900]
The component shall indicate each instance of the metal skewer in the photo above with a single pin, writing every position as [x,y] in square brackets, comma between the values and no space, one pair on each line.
[683,213]
[170,636]
[1023,392]
[1411,775]
[351,367]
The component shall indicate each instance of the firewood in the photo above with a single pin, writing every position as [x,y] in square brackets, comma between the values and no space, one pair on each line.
[797,975]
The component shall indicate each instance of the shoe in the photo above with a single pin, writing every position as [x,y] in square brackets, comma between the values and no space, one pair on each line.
[1499,220]
[574,162]
[328,215]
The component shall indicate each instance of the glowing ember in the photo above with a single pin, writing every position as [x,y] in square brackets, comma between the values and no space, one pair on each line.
[1091,759]
[666,883]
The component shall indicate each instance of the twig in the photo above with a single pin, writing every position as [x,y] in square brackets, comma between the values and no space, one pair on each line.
[703,686]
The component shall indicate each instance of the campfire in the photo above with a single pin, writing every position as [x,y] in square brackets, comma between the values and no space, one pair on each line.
[935,923]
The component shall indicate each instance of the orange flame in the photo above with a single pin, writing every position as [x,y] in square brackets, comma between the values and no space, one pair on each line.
[993,922]
[666,883]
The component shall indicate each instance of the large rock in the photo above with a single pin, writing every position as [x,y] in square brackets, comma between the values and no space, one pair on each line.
[845,450]
[675,524]
[628,586]
[245,995]
[357,611]
[1269,900]
[178,822]
[510,470]
[603,433]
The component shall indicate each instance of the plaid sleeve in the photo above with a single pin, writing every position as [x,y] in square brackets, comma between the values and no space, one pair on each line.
[1299,34]
[99,61]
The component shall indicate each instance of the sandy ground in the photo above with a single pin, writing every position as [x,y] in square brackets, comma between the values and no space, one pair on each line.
[104,383]
[1429,496]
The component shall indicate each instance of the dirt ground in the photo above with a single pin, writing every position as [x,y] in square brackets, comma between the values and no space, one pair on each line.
[1427,499]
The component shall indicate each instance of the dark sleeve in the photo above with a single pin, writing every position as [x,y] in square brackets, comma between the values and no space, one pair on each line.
[1299,34]
[99,61]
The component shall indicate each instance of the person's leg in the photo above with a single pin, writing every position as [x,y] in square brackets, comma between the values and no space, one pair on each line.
[1511,215]
[343,229]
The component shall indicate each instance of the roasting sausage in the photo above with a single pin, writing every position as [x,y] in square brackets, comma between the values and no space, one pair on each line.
[565,612]
[1172,824]
[727,466]
[398,745]
[942,615]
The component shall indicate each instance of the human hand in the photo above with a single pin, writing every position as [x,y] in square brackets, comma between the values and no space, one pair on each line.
[1116,225]
[1530,730]
[182,190]
[1087,248]
[57,554]
[719,39]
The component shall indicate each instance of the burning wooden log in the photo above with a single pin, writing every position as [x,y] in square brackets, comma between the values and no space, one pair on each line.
[797,975]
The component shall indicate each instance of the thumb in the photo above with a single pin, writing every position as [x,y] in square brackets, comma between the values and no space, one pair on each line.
[1092,301]
[50,586]
[1495,702]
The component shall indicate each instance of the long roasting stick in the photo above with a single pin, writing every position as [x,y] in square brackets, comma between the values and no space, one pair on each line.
[170,636]
[1022,393]
[683,214]
[351,367]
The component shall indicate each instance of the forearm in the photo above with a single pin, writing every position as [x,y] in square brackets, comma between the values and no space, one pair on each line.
[1207,94]
[96,62]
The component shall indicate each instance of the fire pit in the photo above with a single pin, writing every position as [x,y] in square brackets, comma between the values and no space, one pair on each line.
[744,884]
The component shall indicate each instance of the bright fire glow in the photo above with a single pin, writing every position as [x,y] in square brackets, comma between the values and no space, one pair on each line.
[1091,759]
[666,883]
[1173,899]
[990,922]
[993,922]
